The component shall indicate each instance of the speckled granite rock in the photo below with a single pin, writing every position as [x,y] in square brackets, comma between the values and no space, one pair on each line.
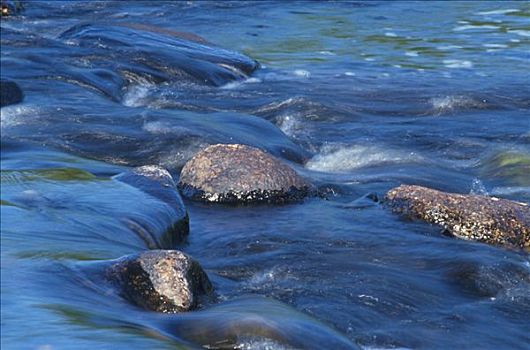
[10,93]
[471,217]
[160,280]
[157,182]
[240,174]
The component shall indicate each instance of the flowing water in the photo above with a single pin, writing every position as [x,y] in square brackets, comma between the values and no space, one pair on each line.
[358,97]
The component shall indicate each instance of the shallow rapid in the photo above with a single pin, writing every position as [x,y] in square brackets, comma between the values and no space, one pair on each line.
[356,97]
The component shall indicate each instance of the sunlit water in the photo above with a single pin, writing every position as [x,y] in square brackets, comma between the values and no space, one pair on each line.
[357,97]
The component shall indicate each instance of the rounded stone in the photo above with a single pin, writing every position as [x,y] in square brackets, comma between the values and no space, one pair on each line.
[234,173]
[161,280]
[472,217]
[10,93]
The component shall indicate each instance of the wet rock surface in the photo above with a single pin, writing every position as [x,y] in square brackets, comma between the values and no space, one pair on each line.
[234,173]
[157,182]
[161,280]
[10,93]
[471,217]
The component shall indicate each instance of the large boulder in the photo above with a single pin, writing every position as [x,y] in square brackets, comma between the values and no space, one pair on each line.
[160,280]
[234,173]
[10,93]
[471,217]
[158,183]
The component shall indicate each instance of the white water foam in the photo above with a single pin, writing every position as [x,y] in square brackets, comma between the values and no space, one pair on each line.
[163,128]
[302,73]
[289,124]
[259,343]
[16,115]
[446,104]
[336,158]
[521,32]
[497,12]
[477,187]
[471,26]
[135,96]
[458,64]
[236,84]
[448,47]
[495,46]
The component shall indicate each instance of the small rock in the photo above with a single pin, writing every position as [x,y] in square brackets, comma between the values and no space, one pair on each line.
[10,93]
[161,280]
[11,7]
[471,217]
[157,182]
[237,173]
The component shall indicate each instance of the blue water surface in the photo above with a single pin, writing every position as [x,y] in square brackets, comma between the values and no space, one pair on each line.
[358,97]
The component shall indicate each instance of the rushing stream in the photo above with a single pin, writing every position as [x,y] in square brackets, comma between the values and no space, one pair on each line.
[358,97]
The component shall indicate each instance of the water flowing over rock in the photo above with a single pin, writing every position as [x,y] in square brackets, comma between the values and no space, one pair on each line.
[157,182]
[157,54]
[10,93]
[161,280]
[234,173]
[471,217]
[255,322]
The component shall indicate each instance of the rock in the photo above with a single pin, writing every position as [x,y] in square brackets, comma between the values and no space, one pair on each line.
[11,7]
[164,55]
[488,279]
[160,280]
[234,173]
[471,217]
[10,93]
[254,322]
[158,183]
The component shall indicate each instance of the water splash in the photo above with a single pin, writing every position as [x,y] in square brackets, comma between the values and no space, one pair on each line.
[477,187]
[333,158]
[452,103]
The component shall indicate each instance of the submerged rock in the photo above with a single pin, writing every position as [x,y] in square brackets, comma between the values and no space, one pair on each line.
[254,323]
[471,217]
[158,54]
[160,280]
[157,182]
[10,93]
[234,173]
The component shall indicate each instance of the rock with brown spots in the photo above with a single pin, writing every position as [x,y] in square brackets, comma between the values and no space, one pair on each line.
[161,280]
[158,183]
[236,173]
[471,217]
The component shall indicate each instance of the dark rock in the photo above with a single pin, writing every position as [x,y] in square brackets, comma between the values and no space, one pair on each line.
[471,217]
[160,280]
[10,93]
[233,173]
[157,182]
